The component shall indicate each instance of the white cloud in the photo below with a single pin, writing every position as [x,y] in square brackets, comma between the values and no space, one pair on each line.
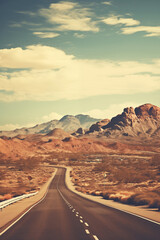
[79,35]
[16,25]
[107,3]
[130,26]
[46,34]
[24,23]
[52,116]
[151,31]
[69,16]
[112,111]
[115,20]
[35,56]
[54,75]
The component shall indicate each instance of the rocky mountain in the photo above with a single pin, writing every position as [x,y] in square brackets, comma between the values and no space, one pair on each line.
[134,131]
[142,122]
[68,123]
[98,126]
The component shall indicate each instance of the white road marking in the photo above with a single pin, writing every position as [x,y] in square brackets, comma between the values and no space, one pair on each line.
[86,224]
[87,231]
[77,215]
[95,237]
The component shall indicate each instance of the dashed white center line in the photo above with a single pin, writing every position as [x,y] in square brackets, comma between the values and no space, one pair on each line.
[77,215]
[95,237]
[87,231]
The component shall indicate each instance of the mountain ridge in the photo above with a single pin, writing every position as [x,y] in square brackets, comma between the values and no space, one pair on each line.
[142,121]
[68,123]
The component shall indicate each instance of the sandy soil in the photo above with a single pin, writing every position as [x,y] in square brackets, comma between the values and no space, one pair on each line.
[144,212]
[12,212]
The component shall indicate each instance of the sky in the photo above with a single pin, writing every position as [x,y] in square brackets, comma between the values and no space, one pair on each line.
[69,57]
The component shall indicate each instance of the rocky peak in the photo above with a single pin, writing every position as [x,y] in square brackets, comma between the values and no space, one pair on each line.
[98,126]
[67,118]
[129,110]
[130,116]
[80,131]
[148,111]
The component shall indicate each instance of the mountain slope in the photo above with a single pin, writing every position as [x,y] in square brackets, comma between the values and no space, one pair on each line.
[143,121]
[68,123]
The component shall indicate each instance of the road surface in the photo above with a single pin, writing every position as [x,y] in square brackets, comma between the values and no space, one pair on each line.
[63,215]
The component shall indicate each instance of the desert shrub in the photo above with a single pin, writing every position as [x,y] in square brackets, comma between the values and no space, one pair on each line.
[130,174]
[5,190]
[17,191]
[147,198]
[156,160]
[2,174]
[101,167]
[27,164]
[155,203]
[137,200]
[107,194]
[5,197]
[29,178]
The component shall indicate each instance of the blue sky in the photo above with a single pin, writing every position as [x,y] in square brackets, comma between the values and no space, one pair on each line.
[70,57]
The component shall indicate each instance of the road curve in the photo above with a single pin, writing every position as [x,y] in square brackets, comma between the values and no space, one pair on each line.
[63,215]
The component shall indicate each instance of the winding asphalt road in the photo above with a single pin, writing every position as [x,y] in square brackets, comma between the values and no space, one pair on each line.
[63,215]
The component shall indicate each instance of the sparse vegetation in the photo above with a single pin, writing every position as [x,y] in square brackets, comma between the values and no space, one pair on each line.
[27,164]
[21,176]
[130,180]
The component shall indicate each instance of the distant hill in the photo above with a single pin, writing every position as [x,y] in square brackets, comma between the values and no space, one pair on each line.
[68,123]
[141,122]
[58,133]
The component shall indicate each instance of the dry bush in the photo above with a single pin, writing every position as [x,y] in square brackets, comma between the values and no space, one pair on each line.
[5,190]
[131,180]
[5,197]
[2,174]
[156,160]
[27,164]
[100,167]
[131,175]
[151,199]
